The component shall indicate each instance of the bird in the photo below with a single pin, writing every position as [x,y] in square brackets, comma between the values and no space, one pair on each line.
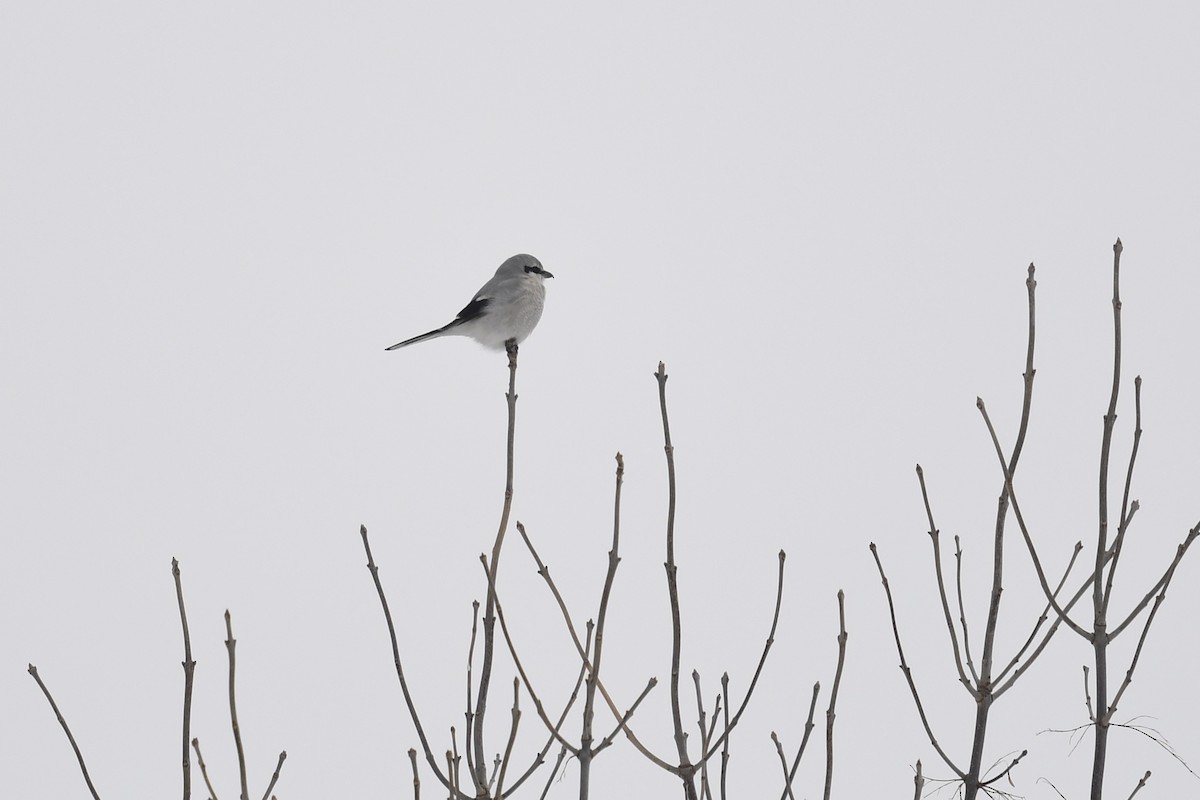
[503,312]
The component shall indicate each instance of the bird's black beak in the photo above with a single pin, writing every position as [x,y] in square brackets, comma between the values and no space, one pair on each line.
[546,274]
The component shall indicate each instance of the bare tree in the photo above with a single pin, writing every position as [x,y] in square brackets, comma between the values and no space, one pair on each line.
[1107,555]
[589,647]
[189,668]
[984,683]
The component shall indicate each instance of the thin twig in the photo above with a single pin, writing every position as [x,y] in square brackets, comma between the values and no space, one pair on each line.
[787,781]
[1161,584]
[1087,695]
[540,758]
[790,776]
[495,772]
[455,758]
[624,720]
[918,782]
[962,613]
[762,660]
[1002,685]
[725,744]
[512,736]
[66,729]
[203,770]
[830,713]
[1140,784]
[489,619]
[685,766]
[544,571]
[935,540]
[537,703]
[189,669]
[412,758]
[562,754]
[702,723]
[470,712]
[908,672]
[1119,542]
[589,703]
[1137,653]
[408,700]
[231,646]
[1099,634]
[708,736]
[1037,564]
[275,776]
[1007,769]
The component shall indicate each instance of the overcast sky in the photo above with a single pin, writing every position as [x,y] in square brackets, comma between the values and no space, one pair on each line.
[214,217]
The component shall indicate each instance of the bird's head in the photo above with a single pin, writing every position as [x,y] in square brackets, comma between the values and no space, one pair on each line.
[522,264]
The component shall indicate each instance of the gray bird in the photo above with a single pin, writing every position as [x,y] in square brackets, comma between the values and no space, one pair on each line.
[506,309]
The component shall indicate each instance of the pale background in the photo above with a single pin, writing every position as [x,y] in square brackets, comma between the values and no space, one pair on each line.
[214,218]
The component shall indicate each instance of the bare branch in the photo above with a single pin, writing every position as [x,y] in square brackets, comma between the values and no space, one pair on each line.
[1087,696]
[408,701]
[456,758]
[725,744]
[685,766]
[702,723]
[412,758]
[470,712]
[1158,601]
[203,769]
[541,756]
[562,754]
[1006,495]
[189,669]
[918,782]
[544,571]
[275,777]
[1126,515]
[808,729]
[489,621]
[830,713]
[512,736]
[787,781]
[537,703]
[66,729]
[762,660]
[1110,418]
[935,539]
[1140,784]
[624,720]
[231,646]
[589,701]
[1161,584]
[1037,564]
[912,686]
[962,613]
[1007,769]
[1004,686]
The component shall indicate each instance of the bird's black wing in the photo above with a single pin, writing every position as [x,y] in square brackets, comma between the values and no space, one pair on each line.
[472,310]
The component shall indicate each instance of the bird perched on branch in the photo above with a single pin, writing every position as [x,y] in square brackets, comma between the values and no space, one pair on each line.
[504,311]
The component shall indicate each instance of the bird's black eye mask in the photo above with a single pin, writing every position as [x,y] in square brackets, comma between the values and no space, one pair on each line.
[537,270]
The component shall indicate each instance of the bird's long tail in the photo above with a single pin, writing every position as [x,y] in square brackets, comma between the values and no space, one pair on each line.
[442,331]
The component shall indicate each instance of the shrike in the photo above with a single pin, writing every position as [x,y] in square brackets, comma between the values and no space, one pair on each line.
[506,309]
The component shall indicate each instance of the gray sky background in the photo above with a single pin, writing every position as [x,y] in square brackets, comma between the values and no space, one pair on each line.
[214,218]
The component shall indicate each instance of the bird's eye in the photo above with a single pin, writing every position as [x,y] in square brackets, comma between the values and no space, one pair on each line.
[533,268]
